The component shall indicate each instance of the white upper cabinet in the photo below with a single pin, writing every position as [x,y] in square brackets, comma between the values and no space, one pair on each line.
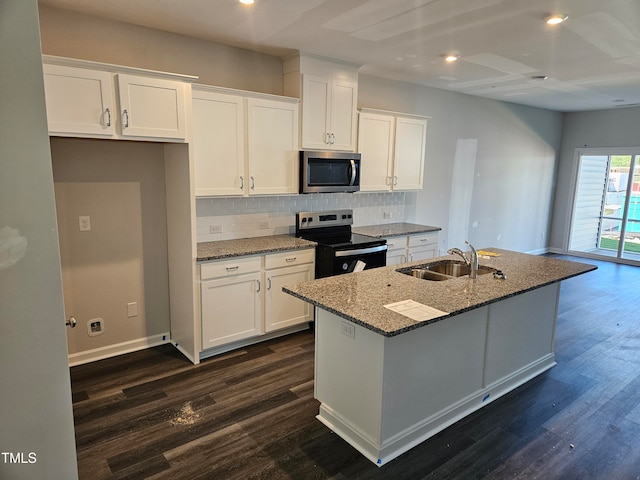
[151,107]
[328,113]
[218,143]
[79,100]
[393,149]
[244,143]
[90,99]
[329,94]
[272,143]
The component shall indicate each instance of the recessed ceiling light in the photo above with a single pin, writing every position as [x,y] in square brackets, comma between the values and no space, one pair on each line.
[556,19]
[451,57]
[539,78]
[247,2]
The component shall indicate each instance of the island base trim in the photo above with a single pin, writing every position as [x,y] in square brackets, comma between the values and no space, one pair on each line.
[391,448]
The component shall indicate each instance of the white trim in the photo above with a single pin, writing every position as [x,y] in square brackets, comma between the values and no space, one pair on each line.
[539,251]
[118,349]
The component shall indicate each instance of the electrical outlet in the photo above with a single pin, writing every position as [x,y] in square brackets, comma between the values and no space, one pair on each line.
[264,225]
[215,228]
[84,222]
[132,309]
[348,329]
[95,327]
[386,215]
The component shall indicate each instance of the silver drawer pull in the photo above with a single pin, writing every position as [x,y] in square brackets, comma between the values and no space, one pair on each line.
[424,239]
[291,259]
[232,269]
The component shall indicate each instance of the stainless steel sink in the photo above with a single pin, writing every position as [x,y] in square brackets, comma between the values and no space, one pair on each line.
[443,270]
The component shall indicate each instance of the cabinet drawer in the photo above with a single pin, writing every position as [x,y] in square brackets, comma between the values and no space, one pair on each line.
[419,240]
[396,243]
[226,268]
[288,259]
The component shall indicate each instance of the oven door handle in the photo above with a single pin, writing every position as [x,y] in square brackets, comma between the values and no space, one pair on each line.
[360,251]
[353,173]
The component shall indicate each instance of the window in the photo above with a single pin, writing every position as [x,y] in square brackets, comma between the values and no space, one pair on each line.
[606,211]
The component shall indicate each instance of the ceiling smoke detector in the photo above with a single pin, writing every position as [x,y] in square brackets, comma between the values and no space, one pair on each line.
[451,57]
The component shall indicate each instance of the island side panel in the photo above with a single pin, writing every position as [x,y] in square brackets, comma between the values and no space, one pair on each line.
[348,381]
[521,336]
[432,377]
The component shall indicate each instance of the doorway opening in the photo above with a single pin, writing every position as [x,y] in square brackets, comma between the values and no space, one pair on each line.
[605,221]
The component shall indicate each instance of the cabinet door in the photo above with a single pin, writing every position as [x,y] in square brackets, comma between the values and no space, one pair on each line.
[281,309]
[272,139]
[396,250]
[218,144]
[375,143]
[408,168]
[152,107]
[316,95]
[423,247]
[79,101]
[231,309]
[344,99]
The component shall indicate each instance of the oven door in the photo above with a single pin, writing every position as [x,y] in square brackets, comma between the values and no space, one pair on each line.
[344,261]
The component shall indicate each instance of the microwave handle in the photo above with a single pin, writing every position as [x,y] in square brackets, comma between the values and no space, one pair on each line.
[353,173]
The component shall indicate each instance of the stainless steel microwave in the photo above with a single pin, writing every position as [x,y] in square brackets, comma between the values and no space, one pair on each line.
[328,172]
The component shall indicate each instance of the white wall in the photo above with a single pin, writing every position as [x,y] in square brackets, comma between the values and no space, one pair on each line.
[35,403]
[601,128]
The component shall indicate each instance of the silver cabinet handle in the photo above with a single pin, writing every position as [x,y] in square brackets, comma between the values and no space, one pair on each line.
[269,283]
[108,113]
[126,118]
[395,180]
[333,138]
[290,259]
[241,183]
[71,322]
[258,281]
[388,181]
[253,183]
[232,269]
[328,138]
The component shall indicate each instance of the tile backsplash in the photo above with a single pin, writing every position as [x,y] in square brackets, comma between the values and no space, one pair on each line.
[228,218]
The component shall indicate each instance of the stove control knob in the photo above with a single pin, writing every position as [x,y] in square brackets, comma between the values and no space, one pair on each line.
[345,266]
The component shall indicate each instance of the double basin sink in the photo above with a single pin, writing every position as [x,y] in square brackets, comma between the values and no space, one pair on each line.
[445,270]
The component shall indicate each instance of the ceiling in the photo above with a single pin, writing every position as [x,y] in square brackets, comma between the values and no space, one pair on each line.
[592,61]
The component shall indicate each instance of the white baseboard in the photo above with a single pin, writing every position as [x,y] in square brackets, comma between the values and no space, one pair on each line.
[118,349]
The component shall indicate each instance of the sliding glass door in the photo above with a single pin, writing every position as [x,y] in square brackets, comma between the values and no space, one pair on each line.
[606,210]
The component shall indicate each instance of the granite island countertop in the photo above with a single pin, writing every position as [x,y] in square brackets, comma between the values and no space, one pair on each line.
[222,249]
[394,229]
[361,297]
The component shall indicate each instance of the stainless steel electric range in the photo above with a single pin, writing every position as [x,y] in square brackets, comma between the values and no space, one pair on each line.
[339,250]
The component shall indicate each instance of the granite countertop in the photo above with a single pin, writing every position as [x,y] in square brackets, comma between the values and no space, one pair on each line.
[394,229]
[360,297]
[250,246]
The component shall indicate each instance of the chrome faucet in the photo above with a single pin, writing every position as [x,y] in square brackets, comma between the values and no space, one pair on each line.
[471,261]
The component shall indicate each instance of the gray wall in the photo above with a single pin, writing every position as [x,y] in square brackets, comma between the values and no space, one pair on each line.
[35,404]
[512,182]
[517,146]
[601,128]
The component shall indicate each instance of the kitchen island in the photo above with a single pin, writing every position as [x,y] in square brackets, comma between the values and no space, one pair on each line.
[387,382]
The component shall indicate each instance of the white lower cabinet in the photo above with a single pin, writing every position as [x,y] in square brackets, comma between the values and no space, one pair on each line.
[281,309]
[231,295]
[412,248]
[242,299]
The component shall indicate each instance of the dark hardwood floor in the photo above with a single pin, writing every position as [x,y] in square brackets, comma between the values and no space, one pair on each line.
[250,414]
